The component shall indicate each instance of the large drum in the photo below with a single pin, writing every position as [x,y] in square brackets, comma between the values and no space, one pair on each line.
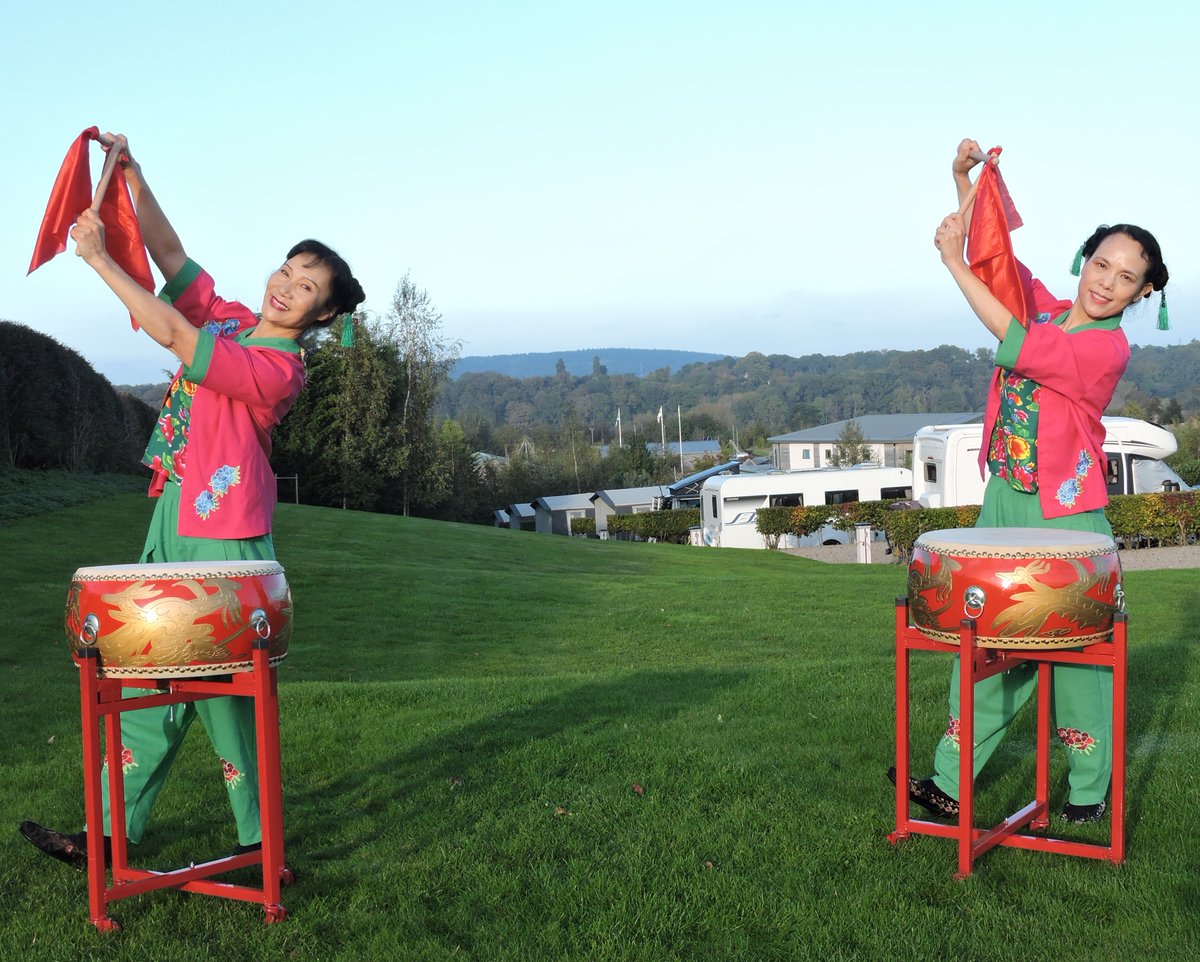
[181,619]
[1025,587]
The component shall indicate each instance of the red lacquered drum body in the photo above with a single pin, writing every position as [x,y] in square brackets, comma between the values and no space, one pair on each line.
[1025,587]
[181,619]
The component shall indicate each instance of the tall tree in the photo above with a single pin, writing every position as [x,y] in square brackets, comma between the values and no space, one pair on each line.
[426,357]
[851,447]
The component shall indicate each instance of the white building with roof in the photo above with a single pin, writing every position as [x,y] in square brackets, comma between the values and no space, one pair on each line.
[890,437]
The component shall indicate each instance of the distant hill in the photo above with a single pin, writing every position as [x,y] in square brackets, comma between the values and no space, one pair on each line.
[618,360]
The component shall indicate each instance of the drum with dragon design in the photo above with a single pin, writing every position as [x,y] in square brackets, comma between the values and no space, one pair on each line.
[1025,587]
[181,619]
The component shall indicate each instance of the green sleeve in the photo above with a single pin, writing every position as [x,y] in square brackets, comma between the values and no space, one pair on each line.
[1010,348]
[179,283]
[195,371]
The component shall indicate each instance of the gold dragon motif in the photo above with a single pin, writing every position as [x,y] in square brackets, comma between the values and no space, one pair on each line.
[939,583]
[166,631]
[1032,609]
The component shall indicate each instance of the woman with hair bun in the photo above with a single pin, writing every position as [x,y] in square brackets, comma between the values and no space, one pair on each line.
[240,374]
[1044,449]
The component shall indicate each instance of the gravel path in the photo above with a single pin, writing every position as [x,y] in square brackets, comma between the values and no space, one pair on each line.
[1139,559]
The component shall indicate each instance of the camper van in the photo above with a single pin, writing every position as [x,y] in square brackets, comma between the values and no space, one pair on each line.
[729,503]
[946,461]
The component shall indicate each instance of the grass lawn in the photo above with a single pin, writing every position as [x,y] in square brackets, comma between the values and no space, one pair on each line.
[466,711]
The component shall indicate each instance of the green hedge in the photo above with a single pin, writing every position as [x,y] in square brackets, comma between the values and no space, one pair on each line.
[669,526]
[904,527]
[774,523]
[1167,518]
[1172,518]
[583,526]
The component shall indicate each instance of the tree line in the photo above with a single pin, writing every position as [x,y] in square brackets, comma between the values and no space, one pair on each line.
[381,427]
[757,396]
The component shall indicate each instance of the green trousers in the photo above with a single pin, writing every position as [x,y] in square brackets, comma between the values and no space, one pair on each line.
[1081,700]
[150,737]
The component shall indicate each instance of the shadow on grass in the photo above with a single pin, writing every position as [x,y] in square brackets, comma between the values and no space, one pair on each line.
[585,718]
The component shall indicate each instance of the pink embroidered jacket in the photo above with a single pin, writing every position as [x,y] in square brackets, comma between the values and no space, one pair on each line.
[245,385]
[1078,372]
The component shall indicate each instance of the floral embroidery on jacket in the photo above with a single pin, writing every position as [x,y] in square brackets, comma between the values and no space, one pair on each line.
[209,500]
[1076,740]
[222,328]
[1069,490]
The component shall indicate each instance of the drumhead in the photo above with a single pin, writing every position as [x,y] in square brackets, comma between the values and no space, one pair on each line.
[179,570]
[1016,542]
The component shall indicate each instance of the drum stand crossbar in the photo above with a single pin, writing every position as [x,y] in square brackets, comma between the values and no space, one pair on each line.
[977,664]
[102,697]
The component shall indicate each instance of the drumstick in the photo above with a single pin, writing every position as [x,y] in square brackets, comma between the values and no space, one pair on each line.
[969,199]
[110,163]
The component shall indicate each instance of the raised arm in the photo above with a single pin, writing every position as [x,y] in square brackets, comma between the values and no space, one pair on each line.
[950,239]
[961,168]
[162,242]
[156,317]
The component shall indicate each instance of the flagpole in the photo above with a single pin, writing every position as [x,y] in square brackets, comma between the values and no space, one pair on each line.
[662,430]
[620,437]
[679,415]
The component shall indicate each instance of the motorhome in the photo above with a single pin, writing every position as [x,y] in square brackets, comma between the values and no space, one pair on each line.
[729,503]
[946,461]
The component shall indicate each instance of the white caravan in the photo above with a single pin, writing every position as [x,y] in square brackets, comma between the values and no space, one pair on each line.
[946,461]
[729,503]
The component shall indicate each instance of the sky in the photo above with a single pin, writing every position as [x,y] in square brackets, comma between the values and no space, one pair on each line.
[703,176]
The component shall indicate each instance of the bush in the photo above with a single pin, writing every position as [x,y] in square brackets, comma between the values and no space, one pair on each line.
[671,526]
[583,526]
[1171,518]
[874,513]
[904,527]
[773,524]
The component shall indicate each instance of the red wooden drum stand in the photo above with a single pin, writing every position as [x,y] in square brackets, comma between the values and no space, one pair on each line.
[978,663]
[186,631]
[101,697]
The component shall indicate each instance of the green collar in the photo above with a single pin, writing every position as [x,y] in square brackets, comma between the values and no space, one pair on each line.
[277,343]
[1104,324]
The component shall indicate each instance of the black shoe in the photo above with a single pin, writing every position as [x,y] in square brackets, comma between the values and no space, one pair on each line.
[241,849]
[924,792]
[1082,814]
[71,849]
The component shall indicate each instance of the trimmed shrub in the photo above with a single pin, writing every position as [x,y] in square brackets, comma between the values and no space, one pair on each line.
[671,526]
[904,527]
[583,526]
[1172,518]
[773,524]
